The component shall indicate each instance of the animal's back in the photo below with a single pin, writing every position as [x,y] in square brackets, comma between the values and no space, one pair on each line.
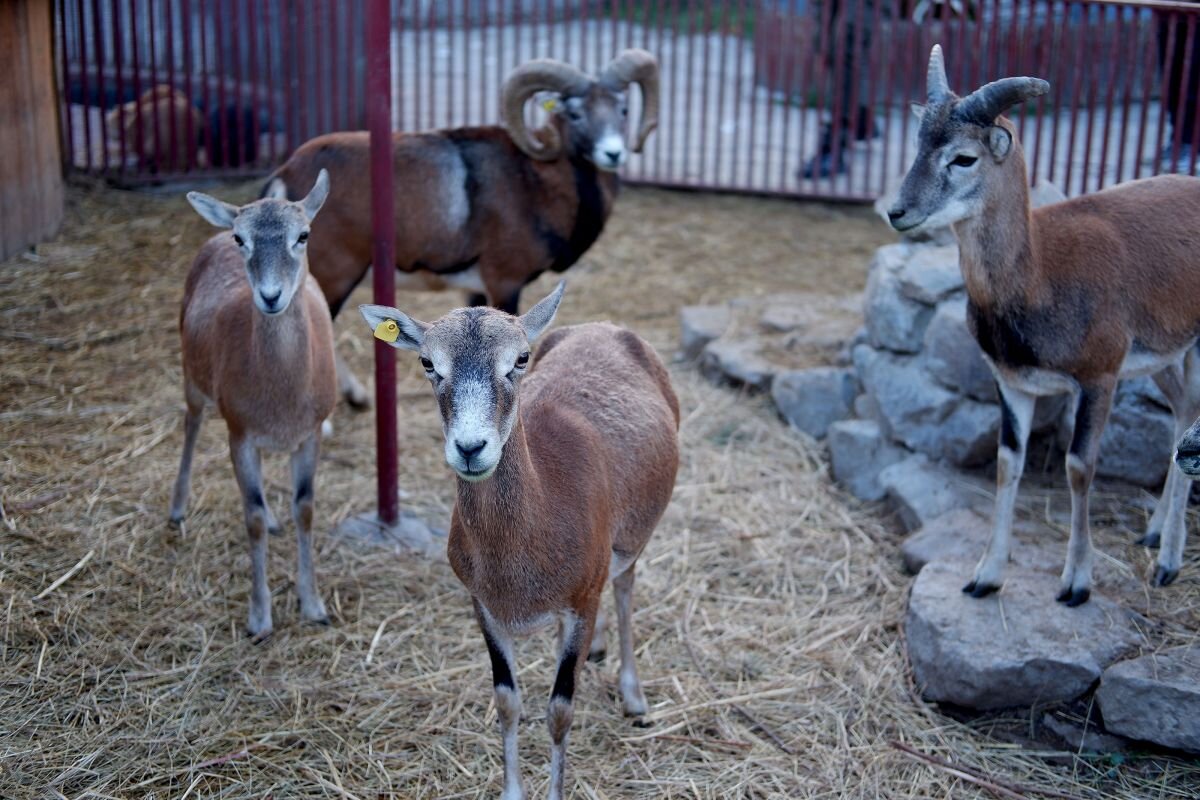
[613,382]
[1142,240]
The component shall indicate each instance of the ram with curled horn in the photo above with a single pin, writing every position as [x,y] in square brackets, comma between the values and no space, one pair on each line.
[1063,299]
[482,209]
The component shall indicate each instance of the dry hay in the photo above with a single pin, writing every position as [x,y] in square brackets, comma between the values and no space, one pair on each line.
[769,605]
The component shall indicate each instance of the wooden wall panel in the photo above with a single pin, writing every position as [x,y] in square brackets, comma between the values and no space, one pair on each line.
[31,182]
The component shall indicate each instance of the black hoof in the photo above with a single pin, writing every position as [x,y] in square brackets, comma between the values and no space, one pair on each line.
[276,531]
[1150,540]
[357,404]
[979,589]
[323,622]
[640,722]
[1165,577]
[1072,598]
[175,522]
[258,638]
[597,656]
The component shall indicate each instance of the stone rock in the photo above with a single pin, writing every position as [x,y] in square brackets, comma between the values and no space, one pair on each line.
[740,361]
[1155,698]
[1086,738]
[953,356]
[958,535]
[922,491]
[931,274]
[1140,436]
[924,416]
[866,407]
[813,399]
[893,321]
[859,451]
[699,325]
[1015,648]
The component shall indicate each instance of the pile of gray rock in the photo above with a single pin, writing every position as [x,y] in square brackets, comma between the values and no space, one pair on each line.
[897,386]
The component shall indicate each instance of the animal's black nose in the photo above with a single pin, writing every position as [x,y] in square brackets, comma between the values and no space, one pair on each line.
[1188,447]
[613,155]
[470,449]
[270,299]
[896,214]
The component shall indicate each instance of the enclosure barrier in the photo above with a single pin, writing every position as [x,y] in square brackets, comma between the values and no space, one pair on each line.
[750,87]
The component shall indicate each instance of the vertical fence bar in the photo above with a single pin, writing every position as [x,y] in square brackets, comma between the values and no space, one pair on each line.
[139,134]
[83,80]
[1091,106]
[1126,100]
[1109,100]
[1186,90]
[65,94]
[1172,32]
[152,39]
[119,70]
[1147,73]
[723,31]
[98,52]
[173,122]
[787,75]
[383,220]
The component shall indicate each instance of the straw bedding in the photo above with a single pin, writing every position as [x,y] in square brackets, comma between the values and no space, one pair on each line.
[769,605]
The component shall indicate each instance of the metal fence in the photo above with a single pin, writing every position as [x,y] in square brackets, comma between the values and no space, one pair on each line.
[751,88]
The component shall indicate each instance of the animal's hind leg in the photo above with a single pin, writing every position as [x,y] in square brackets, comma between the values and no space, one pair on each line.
[1171,383]
[599,647]
[1091,414]
[631,687]
[1175,496]
[1016,408]
[191,428]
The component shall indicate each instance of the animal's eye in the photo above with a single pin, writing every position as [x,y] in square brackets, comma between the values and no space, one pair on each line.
[239,241]
[522,360]
[427,364]
[624,112]
[963,161]
[302,238]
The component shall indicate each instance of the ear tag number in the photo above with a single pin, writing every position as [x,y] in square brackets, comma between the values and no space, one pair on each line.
[550,105]
[387,330]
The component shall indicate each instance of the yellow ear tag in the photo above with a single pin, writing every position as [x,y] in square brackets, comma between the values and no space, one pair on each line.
[387,330]
[550,104]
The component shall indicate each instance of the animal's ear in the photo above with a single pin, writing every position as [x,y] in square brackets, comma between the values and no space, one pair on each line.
[999,142]
[537,319]
[394,326]
[316,197]
[217,212]
[918,111]
[276,190]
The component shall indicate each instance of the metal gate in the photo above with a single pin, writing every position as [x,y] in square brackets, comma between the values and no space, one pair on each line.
[751,88]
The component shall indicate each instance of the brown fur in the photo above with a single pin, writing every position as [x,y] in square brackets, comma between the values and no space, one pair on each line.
[160,113]
[592,479]
[521,211]
[272,378]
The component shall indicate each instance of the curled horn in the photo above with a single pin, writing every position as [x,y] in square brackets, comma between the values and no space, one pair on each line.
[541,75]
[983,105]
[937,88]
[636,66]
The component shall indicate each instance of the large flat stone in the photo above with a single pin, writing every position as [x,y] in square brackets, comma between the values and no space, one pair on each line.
[924,415]
[738,361]
[894,322]
[931,274]
[813,399]
[953,356]
[1155,698]
[859,450]
[699,325]
[922,490]
[1017,647]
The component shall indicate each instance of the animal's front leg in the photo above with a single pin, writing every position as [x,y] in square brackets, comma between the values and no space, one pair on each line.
[1016,409]
[507,696]
[1091,415]
[577,634]
[247,468]
[304,470]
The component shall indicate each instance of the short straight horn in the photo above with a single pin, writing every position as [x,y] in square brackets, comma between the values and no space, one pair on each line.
[937,88]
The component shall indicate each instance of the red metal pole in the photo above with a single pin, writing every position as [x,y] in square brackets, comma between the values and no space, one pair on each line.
[383,224]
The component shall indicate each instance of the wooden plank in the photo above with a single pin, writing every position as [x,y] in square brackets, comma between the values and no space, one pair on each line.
[31,184]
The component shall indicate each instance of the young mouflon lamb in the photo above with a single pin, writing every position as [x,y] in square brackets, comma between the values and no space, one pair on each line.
[565,465]
[258,345]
